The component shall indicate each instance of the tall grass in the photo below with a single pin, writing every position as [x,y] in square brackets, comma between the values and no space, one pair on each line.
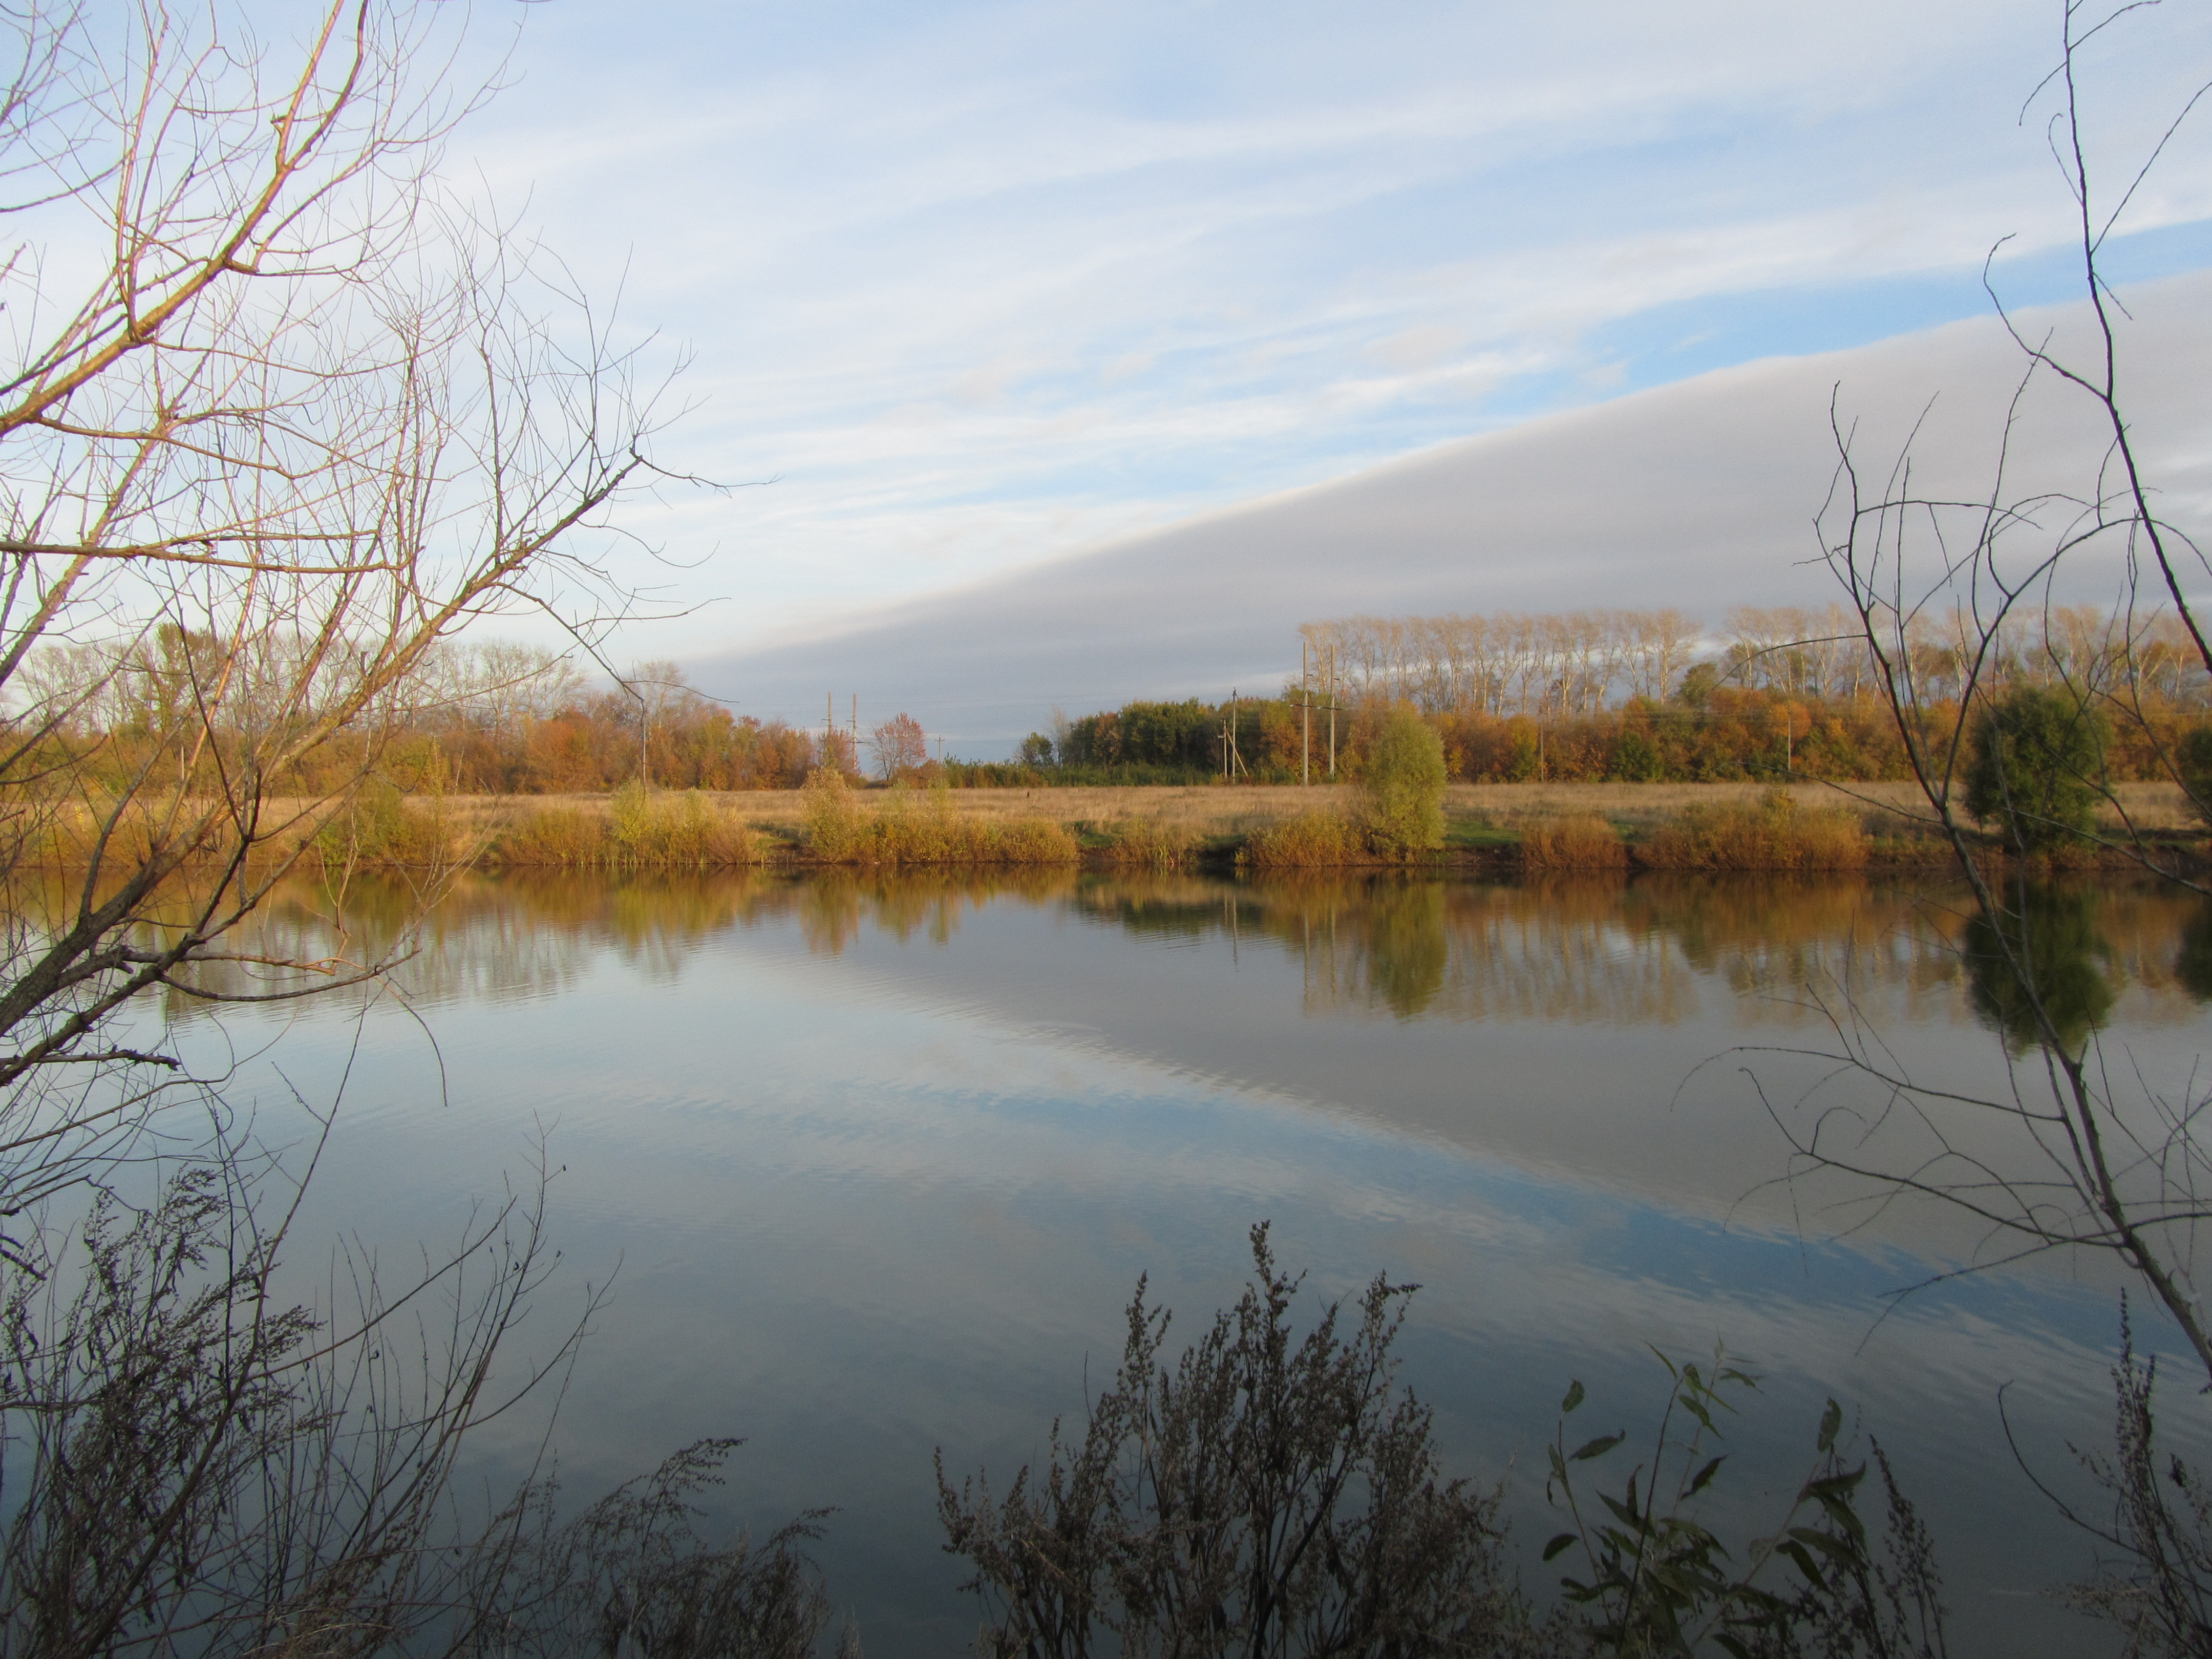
[909,829]
[641,830]
[1310,841]
[1150,844]
[1772,834]
[382,828]
[1584,842]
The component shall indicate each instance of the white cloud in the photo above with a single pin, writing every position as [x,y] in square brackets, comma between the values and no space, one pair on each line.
[981,284]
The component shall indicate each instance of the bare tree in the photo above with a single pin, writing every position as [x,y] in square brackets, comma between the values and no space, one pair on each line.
[308,417]
[900,747]
[1955,597]
[279,415]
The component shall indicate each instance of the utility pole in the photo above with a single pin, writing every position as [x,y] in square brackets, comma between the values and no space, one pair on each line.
[856,728]
[829,728]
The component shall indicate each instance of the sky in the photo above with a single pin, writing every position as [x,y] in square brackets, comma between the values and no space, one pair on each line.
[965,290]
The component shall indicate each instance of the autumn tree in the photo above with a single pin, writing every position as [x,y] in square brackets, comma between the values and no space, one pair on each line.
[900,747]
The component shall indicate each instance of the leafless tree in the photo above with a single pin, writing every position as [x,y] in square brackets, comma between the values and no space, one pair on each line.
[279,413]
[900,746]
[1946,592]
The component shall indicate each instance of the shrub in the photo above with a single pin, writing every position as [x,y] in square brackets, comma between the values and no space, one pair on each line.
[1268,1494]
[1772,834]
[1031,841]
[1310,841]
[380,826]
[646,828]
[1582,842]
[832,816]
[2038,766]
[1404,787]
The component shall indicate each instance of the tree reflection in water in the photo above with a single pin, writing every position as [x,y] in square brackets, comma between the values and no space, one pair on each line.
[2046,947]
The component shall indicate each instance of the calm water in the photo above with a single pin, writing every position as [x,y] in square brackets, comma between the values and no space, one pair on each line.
[875,1163]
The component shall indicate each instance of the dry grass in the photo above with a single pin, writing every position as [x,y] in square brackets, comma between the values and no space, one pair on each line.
[1310,841]
[1638,810]
[1583,841]
[1772,833]
[843,827]
[1150,844]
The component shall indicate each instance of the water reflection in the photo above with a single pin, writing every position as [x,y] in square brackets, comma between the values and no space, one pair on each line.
[2042,948]
[1582,950]
[883,1153]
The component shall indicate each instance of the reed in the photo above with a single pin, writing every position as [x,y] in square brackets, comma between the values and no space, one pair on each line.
[1150,844]
[641,831]
[1583,841]
[381,828]
[1774,832]
[908,830]
[1310,841]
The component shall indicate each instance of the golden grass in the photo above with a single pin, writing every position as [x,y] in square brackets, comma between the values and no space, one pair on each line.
[1583,841]
[1772,833]
[1310,841]
[1149,844]
[905,830]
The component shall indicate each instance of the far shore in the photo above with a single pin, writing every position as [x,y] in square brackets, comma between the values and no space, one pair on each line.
[1214,811]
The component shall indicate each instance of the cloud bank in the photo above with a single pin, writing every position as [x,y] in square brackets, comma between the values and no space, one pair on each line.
[1700,495]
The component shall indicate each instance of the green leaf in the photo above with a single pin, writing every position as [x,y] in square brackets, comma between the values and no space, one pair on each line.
[1565,1540]
[1703,1476]
[1831,1421]
[1627,1511]
[1597,1448]
[1834,1549]
[1574,1397]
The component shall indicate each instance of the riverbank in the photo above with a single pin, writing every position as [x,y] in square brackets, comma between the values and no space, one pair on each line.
[1713,826]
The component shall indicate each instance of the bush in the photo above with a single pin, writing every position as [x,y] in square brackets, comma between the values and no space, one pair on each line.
[1310,841]
[1404,787]
[646,828]
[380,826]
[2039,766]
[833,817]
[1268,1494]
[1582,842]
[1772,834]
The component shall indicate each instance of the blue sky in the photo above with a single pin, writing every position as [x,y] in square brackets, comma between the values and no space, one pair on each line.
[981,285]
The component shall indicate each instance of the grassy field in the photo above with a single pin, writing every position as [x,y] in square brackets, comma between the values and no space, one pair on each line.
[1211,811]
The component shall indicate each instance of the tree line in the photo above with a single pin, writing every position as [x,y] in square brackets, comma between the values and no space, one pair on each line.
[1642,697]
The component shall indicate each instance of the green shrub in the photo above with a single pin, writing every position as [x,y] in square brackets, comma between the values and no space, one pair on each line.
[2039,766]
[1404,787]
